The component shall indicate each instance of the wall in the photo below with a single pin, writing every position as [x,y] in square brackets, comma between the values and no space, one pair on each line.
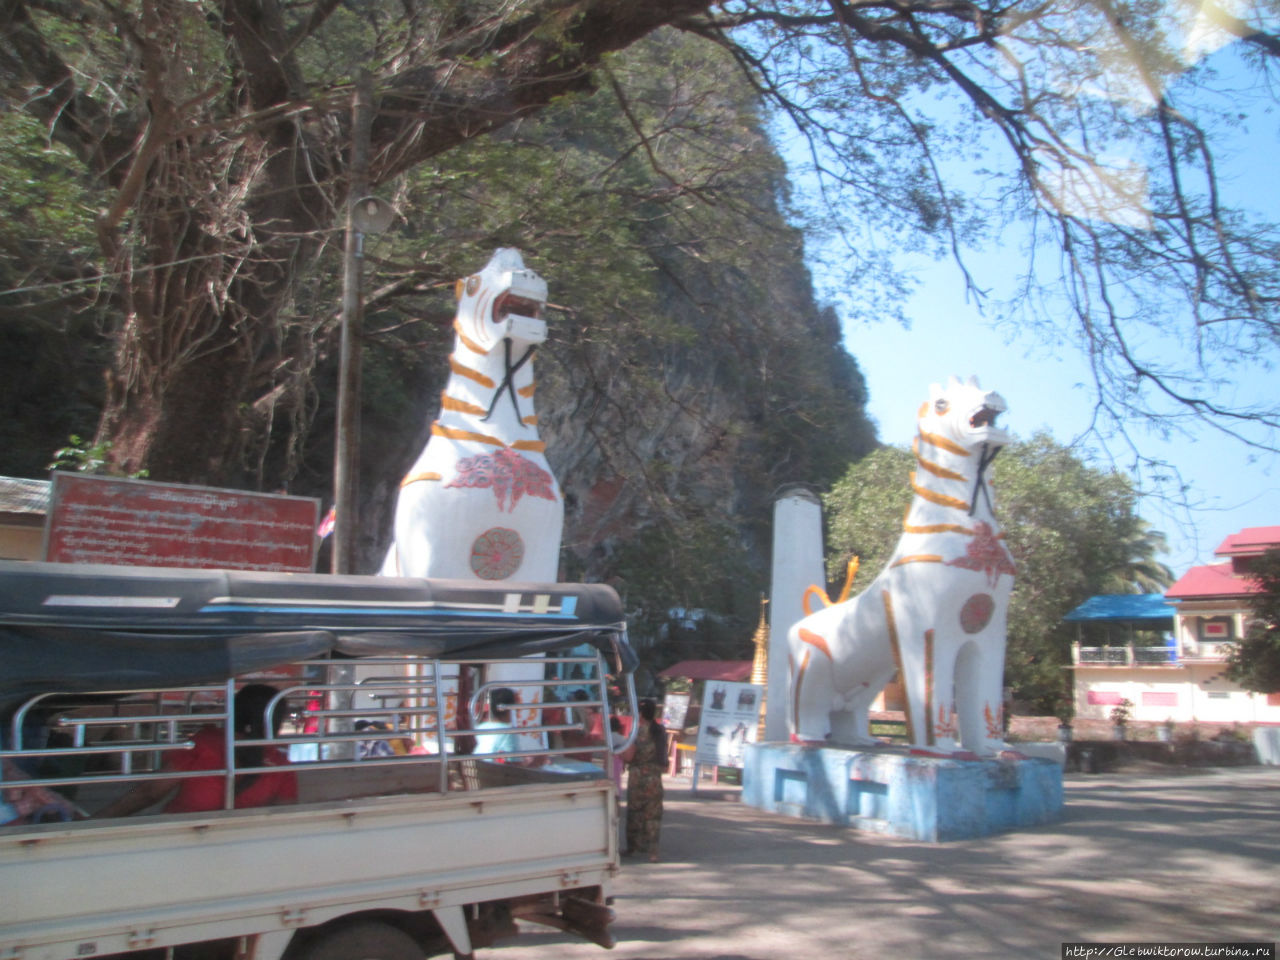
[1183,693]
[21,540]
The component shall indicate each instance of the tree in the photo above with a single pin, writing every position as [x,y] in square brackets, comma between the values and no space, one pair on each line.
[1071,527]
[1255,661]
[1099,126]
[46,236]
[216,136]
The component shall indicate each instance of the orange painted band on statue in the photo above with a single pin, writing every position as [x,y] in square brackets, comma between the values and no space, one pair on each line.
[942,443]
[816,640]
[474,375]
[415,477]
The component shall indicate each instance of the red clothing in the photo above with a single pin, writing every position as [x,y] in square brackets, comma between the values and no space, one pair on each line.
[579,737]
[201,794]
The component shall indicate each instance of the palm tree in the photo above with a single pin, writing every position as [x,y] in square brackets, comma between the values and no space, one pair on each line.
[1141,572]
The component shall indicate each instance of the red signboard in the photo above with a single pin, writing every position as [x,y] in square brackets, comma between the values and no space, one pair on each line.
[96,519]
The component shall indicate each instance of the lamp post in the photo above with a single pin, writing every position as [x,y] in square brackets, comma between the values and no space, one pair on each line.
[365,214]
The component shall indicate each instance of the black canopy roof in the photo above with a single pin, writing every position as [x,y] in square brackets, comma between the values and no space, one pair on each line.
[73,627]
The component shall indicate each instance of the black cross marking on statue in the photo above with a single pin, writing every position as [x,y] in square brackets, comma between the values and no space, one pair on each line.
[980,483]
[508,381]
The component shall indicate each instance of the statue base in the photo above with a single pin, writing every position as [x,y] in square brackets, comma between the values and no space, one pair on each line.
[890,791]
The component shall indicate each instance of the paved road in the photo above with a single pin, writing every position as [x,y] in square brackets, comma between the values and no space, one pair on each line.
[1138,856]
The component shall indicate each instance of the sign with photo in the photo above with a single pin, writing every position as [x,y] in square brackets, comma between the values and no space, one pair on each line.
[730,720]
[675,707]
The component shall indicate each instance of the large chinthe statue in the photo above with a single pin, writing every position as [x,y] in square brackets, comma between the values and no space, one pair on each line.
[936,614]
[480,501]
[935,617]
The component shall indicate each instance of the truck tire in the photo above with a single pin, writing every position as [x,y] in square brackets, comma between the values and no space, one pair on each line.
[364,941]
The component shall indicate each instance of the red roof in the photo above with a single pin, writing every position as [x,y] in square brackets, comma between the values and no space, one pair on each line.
[1249,541]
[1213,580]
[737,671]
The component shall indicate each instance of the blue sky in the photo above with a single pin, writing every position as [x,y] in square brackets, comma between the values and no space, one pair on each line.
[1227,485]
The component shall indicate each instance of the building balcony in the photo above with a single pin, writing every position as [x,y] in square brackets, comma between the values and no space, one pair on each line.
[1127,655]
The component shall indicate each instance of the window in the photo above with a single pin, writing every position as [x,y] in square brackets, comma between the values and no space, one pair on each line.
[1106,698]
[1216,628]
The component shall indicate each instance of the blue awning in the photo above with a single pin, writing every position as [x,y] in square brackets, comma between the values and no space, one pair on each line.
[1151,609]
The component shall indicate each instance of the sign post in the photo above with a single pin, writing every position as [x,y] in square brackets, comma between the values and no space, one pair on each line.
[730,720]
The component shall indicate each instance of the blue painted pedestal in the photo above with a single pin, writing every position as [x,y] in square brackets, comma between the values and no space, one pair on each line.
[888,791]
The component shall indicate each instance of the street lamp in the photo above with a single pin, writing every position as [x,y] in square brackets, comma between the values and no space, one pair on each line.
[365,214]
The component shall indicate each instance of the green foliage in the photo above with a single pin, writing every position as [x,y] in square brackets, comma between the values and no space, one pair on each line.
[864,512]
[80,456]
[1071,528]
[1255,661]
[1073,531]
[84,457]
[690,593]
[51,356]
[44,203]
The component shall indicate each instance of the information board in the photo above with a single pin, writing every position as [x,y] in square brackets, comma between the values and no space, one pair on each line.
[675,707]
[94,519]
[730,720]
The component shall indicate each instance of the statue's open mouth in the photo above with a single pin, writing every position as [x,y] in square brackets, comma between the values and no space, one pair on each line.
[986,417]
[509,304]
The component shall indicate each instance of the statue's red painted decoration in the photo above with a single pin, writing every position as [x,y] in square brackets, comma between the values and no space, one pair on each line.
[508,473]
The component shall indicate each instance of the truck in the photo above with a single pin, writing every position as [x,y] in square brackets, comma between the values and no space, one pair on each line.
[399,841]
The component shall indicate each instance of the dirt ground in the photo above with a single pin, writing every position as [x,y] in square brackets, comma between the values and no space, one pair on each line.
[1149,853]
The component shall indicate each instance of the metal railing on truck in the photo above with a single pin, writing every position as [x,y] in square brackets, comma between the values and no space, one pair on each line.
[409,722]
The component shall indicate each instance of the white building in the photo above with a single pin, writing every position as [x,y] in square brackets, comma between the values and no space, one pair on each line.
[1166,654]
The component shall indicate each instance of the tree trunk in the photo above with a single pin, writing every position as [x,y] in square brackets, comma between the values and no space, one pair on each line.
[181,423]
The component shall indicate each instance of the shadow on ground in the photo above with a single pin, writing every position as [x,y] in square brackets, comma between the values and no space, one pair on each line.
[1170,857]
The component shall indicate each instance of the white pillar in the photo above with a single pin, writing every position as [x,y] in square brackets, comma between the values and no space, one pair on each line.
[797,563]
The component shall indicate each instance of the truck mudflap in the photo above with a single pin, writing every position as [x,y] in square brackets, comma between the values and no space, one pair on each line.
[582,912]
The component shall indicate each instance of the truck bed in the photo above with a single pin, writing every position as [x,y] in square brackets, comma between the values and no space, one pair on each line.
[98,887]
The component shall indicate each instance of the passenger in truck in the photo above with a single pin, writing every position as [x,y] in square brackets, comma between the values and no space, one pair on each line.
[590,728]
[501,736]
[24,802]
[202,794]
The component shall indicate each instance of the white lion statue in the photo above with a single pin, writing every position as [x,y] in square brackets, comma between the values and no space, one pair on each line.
[481,501]
[935,614]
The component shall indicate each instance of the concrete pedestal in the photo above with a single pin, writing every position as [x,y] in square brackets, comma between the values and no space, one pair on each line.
[891,792]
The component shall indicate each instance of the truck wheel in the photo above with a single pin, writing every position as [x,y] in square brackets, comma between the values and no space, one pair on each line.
[365,941]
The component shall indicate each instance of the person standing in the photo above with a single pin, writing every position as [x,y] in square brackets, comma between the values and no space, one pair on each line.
[645,759]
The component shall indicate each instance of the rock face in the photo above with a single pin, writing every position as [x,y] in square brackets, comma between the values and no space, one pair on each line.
[759,393]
